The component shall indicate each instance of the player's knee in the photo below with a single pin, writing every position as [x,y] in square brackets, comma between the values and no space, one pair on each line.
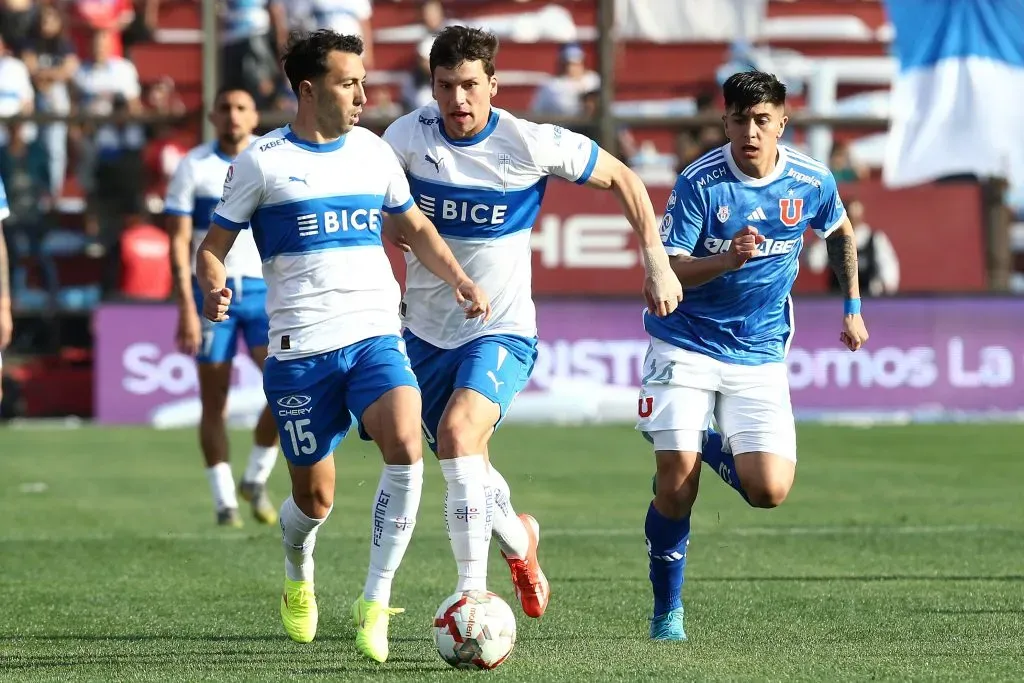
[315,500]
[404,446]
[675,488]
[457,437]
[767,493]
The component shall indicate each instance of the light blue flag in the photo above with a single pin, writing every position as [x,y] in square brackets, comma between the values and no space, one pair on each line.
[958,101]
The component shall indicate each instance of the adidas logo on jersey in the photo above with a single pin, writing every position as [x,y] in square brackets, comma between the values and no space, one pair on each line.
[757,215]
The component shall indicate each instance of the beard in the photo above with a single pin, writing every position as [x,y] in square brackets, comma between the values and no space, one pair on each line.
[333,120]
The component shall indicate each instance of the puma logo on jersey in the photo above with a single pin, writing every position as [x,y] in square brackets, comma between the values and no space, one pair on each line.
[294,179]
[769,247]
[435,162]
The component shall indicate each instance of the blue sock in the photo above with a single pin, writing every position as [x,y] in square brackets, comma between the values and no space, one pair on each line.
[721,462]
[666,542]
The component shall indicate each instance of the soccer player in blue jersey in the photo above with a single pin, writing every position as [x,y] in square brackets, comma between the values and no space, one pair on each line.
[733,229]
[480,173]
[192,194]
[314,194]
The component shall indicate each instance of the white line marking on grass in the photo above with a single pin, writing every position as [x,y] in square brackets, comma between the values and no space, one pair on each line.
[260,536]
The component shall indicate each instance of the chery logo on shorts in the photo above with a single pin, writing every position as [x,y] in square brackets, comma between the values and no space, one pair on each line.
[294,405]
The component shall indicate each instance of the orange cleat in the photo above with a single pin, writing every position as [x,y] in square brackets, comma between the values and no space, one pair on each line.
[532,587]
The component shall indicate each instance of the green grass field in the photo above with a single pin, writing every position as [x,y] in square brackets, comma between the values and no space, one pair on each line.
[898,556]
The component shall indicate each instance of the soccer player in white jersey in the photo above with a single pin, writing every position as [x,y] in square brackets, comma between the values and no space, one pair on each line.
[6,320]
[733,229]
[479,173]
[313,193]
[191,197]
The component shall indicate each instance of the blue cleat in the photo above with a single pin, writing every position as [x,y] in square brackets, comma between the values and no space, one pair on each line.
[668,626]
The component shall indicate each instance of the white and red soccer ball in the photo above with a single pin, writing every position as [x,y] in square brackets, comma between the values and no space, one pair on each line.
[474,630]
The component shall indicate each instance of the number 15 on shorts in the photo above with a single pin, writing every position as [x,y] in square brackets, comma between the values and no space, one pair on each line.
[303,441]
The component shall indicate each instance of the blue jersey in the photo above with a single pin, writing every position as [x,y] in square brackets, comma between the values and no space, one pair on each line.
[744,316]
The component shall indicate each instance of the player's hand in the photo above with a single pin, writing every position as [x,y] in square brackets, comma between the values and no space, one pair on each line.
[854,333]
[189,336]
[744,246]
[394,235]
[215,305]
[473,300]
[662,293]
[6,325]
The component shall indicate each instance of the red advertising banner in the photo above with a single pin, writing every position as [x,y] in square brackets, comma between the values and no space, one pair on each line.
[583,246]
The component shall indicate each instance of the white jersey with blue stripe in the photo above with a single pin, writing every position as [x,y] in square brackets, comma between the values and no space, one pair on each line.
[744,316]
[483,193]
[315,211]
[194,191]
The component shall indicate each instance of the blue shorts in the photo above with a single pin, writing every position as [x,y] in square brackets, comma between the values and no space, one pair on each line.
[247,316]
[314,399]
[496,366]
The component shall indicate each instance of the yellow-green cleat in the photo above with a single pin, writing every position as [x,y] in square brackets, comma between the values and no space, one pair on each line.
[298,610]
[256,494]
[371,621]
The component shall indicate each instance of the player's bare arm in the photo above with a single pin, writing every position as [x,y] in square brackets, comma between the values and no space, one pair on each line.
[842,256]
[416,230]
[212,274]
[661,288]
[693,271]
[188,336]
[6,321]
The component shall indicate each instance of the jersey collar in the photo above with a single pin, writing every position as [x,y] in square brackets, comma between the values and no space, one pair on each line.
[492,123]
[755,182]
[319,147]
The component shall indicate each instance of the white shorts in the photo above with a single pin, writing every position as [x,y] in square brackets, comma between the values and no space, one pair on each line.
[682,390]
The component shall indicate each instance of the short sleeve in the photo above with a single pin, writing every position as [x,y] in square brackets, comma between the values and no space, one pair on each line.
[398,198]
[130,88]
[180,199]
[394,136]
[243,190]
[684,218]
[561,152]
[831,212]
[26,93]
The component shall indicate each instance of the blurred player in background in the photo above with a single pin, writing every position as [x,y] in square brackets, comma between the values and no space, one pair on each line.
[733,228]
[314,192]
[479,173]
[6,320]
[192,194]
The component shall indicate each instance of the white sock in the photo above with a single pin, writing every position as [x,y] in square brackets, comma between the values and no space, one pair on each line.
[394,516]
[222,486]
[298,536]
[261,463]
[468,511]
[508,528]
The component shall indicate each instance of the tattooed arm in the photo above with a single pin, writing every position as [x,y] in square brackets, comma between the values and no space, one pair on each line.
[842,256]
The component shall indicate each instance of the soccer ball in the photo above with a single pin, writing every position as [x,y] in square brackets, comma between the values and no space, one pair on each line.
[474,630]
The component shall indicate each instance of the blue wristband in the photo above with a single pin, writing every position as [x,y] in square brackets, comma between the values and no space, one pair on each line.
[851,307]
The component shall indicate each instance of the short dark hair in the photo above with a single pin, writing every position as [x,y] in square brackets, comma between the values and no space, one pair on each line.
[231,87]
[749,88]
[305,58]
[457,44]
